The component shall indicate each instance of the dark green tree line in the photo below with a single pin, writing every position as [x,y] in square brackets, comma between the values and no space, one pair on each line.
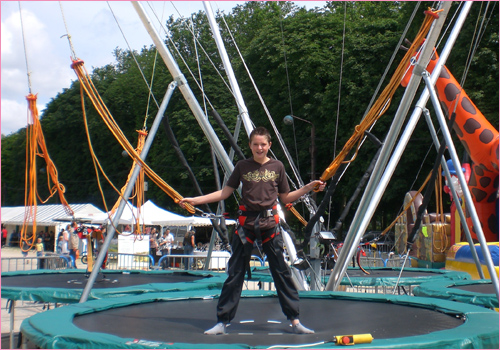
[294,56]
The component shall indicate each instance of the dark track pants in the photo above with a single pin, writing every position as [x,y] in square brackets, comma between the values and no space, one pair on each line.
[285,288]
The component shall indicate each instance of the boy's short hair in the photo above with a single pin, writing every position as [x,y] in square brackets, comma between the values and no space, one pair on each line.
[261,131]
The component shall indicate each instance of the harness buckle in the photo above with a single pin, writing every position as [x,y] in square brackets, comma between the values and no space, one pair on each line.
[267,213]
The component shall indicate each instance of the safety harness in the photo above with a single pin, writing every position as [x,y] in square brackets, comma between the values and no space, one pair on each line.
[248,237]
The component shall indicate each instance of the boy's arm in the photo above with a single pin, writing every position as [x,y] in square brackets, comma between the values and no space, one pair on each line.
[293,196]
[216,196]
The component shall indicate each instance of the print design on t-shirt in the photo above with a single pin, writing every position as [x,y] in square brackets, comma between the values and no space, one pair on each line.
[257,176]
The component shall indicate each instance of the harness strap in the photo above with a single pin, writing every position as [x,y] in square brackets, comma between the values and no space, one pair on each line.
[243,214]
[252,213]
[248,242]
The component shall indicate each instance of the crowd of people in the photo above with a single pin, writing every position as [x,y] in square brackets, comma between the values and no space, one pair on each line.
[69,239]
[46,236]
[161,245]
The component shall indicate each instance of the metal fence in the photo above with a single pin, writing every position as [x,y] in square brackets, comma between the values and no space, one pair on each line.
[120,261]
[49,261]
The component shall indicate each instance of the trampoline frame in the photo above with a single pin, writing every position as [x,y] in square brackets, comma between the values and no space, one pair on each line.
[72,295]
[60,332]
[444,290]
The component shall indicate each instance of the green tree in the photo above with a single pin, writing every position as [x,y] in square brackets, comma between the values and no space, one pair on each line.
[303,62]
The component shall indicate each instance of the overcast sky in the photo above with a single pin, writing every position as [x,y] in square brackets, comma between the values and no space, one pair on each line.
[94,35]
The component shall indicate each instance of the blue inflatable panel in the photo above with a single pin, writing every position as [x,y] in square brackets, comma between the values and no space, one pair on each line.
[464,254]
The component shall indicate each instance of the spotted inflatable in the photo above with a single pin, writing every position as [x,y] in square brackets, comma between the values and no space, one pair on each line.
[480,140]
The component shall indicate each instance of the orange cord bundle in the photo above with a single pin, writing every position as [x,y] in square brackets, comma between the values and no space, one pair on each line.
[290,207]
[35,146]
[139,184]
[383,102]
[88,86]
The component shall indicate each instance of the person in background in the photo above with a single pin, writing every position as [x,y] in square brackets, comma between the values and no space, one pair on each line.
[65,241]
[153,244]
[49,241]
[39,252]
[188,245]
[100,237]
[59,243]
[263,181]
[162,243]
[26,245]
[170,244]
[4,235]
[74,242]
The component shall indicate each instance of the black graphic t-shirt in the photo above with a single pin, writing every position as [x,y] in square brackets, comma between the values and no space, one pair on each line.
[261,184]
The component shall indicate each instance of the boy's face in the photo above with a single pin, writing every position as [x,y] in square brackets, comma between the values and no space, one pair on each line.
[259,145]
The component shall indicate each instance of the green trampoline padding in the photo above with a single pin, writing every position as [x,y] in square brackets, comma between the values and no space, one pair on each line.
[381,276]
[474,292]
[467,326]
[66,286]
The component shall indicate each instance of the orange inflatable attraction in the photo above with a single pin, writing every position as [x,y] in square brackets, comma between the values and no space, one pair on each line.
[480,140]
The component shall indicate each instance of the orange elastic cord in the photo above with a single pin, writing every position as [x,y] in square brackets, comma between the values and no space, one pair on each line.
[379,107]
[77,62]
[36,146]
[290,207]
[91,91]
[31,97]
[433,13]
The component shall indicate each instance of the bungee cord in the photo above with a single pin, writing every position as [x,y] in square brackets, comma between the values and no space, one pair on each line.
[184,61]
[382,103]
[36,146]
[149,86]
[268,114]
[289,89]
[220,228]
[91,91]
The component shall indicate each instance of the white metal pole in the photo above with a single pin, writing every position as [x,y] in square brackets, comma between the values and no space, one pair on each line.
[127,193]
[454,194]
[469,203]
[380,178]
[247,123]
[186,91]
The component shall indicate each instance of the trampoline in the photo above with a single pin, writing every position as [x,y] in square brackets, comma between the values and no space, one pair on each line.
[381,279]
[66,286]
[177,320]
[474,292]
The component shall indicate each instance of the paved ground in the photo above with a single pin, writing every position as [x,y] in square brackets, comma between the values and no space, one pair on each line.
[23,309]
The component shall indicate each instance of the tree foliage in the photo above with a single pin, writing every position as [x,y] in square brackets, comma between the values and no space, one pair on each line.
[322,65]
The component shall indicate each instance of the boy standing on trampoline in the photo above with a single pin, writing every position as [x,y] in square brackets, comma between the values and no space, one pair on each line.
[263,180]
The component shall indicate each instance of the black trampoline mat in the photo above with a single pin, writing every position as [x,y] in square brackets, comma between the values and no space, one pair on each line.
[185,321]
[391,273]
[483,288]
[377,273]
[109,280]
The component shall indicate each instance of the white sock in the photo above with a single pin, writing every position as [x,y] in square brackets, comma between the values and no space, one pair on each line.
[300,329]
[219,328]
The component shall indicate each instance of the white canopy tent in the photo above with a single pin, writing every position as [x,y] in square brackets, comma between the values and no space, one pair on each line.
[195,221]
[46,215]
[128,215]
[151,214]
[49,217]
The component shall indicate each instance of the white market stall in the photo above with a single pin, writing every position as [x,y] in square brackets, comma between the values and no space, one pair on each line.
[49,217]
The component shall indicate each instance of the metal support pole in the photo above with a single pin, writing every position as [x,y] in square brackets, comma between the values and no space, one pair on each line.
[184,88]
[247,123]
[12,308]
[380,178]
[469,204]
[128,191]
[454,194]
